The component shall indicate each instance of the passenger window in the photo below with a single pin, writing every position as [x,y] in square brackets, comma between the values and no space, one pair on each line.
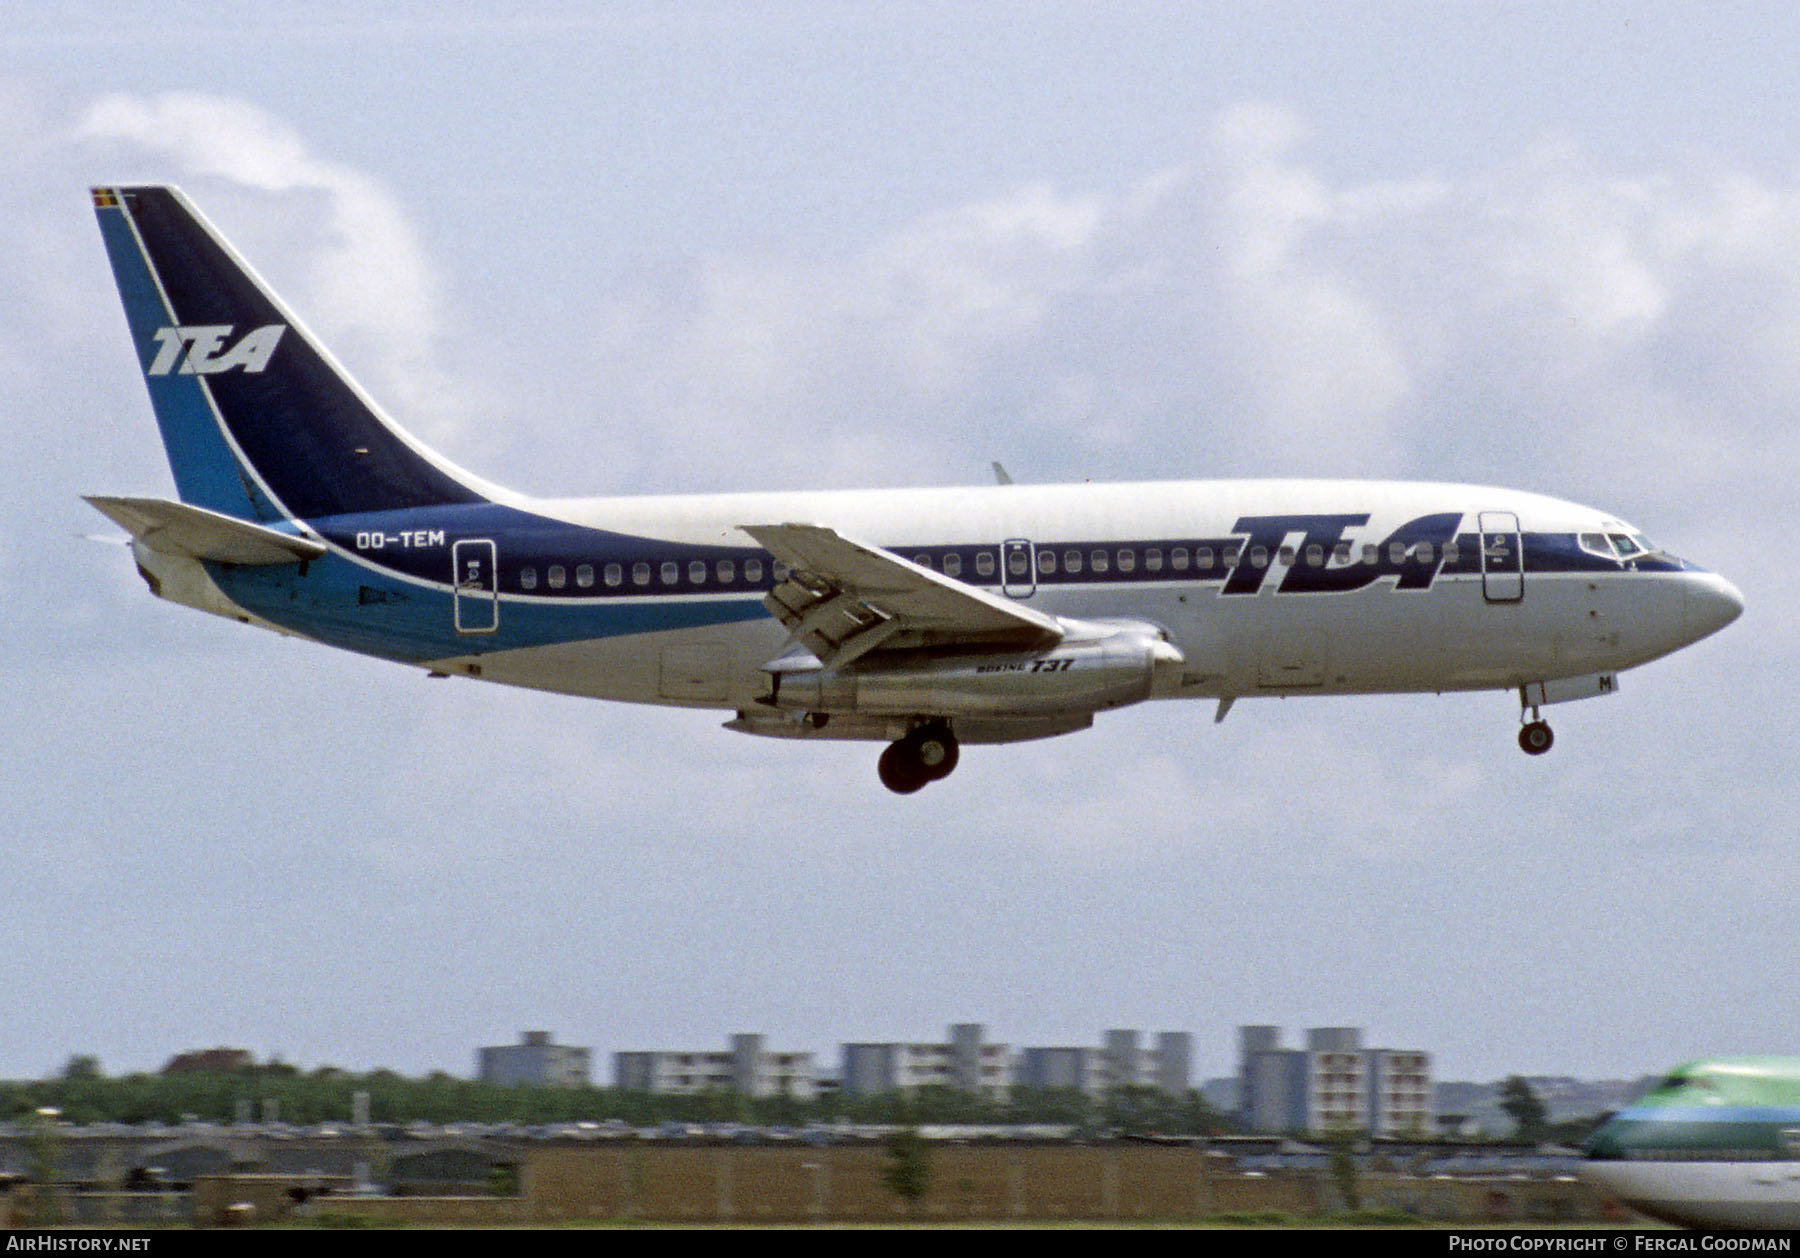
[1259,556]
[1315,555]
[640,574]
[984,563]
[584,576]
[1427,552]
[1286,556]
[1451,554]
[1203,557]
[924,561]
[1128,561]
[727,571]
[1178,559]
[1341,552]
[558,578]
[1072,562]
[753,571]
[1153,560]
[612,574]
[1047,562]
[528,579]
[953,564]
[780,571]
[696,572]
[1098,561]
[1231,554]
[1396,552]
[1017,563]
[1371,553]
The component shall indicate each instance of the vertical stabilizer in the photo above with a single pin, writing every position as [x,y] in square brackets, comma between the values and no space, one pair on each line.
[259,421]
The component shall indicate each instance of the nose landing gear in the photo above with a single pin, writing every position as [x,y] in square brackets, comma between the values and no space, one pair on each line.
[1535,737]
[927,753]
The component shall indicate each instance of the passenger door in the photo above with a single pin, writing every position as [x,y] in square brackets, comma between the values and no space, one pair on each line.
[1502,557]
[477,580]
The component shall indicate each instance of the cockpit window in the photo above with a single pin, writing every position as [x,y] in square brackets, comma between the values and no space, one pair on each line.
[1617,546]
[1687,1089]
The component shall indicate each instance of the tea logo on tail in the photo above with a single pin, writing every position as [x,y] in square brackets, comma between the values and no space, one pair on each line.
[200,349]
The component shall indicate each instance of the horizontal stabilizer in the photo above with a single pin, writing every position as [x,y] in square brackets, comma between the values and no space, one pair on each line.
[175,528]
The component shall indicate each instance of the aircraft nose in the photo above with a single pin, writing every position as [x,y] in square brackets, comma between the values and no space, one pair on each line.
[1712,603]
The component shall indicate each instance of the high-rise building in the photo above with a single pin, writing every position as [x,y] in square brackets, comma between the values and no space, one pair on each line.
[534,1060]
[965,1062]
[1333,1084]
[1072,1069]
[1120,1062]
[748,1067]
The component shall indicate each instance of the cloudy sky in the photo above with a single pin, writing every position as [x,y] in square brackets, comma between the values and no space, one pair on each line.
[617,248]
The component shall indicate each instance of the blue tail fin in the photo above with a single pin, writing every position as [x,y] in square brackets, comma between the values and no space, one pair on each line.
[258,419]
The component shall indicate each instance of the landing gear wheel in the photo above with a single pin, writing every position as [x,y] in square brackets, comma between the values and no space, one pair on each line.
[926,754]
[899,771]
[1535,738]
[936,750]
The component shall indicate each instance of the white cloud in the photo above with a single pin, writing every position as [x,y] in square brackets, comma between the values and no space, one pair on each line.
[1248,314]
[370,290]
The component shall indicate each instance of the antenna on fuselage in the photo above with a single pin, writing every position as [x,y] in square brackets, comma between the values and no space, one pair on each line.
[1001,475]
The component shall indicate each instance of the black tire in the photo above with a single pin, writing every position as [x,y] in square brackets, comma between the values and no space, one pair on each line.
[900,770]
[1535,738]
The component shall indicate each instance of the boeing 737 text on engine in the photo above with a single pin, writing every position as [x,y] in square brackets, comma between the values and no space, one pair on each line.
[921,618]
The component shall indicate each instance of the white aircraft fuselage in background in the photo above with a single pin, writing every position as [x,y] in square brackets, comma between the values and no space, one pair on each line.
[924,618]
[1716,1144]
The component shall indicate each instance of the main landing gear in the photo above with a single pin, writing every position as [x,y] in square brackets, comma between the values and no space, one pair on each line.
[927,753]
[1535,737]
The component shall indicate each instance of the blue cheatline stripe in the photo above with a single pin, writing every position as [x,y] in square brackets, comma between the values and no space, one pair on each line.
[343,604]
[526,540]
[1788,1114]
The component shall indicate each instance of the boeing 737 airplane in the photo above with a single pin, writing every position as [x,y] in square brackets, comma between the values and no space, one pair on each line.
[921,618]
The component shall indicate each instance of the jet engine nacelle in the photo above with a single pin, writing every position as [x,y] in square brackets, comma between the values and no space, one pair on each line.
[1089,675]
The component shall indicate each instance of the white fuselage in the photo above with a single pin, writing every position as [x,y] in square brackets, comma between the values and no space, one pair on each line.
[1452,634]
[1762,1194]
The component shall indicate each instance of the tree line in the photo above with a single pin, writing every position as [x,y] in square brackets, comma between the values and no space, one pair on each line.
[84,1094]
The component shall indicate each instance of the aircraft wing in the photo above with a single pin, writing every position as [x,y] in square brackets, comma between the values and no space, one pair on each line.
[175,528]
[843,599]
